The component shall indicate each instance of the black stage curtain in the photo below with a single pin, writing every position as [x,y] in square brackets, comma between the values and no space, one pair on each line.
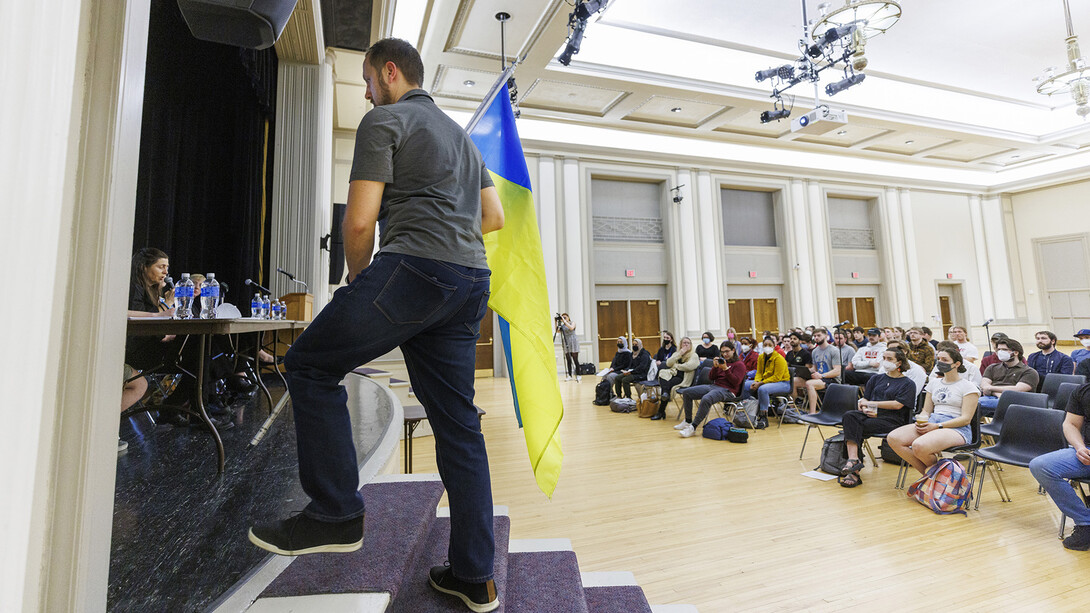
[205,155]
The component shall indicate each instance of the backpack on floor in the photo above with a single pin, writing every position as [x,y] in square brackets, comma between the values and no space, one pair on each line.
[585,368]
[622,405]
[602,393]
[944,488]
[834,455]
[888,454]
[716,429]
[749,407]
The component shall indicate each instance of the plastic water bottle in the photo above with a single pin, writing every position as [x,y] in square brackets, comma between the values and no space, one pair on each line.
[278,309]
[183,297]
[266,307]
[210,296]
[255,306]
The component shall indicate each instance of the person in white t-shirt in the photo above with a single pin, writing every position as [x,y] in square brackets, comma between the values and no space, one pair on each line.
[972,371]
[967,350]
[948,410]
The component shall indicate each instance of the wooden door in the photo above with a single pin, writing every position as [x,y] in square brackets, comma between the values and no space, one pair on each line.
[646,325]
[845,311]
[612,323]
[485,347]
[765,315]
[864,313]
[947,315]
[740,316]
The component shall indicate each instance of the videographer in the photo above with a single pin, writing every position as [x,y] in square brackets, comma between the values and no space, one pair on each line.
[570,341]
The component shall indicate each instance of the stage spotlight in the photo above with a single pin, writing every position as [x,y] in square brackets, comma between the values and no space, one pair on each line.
[835,88]
[585,9]
[775,114]
[785,72]
[574,42]
[833,34]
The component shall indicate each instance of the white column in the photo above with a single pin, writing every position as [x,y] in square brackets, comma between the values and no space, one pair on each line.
[821,258]
[682,250]
[545,194]
[324,200]
[709,237]
[919,316]
[895,253]
[980,252]
[572,272]
[800,270]
[995,243]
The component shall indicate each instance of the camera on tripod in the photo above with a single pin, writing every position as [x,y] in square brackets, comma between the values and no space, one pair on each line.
[558,320]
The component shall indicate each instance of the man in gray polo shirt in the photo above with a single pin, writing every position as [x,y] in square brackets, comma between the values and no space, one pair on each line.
[419,177]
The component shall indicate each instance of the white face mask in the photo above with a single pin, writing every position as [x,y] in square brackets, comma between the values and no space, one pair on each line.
[1085,342]
[766,350]
[745,348]
[1003,355]
[887,366]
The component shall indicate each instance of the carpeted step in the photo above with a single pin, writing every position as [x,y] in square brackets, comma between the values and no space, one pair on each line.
[417,596]
[614,592]
[400,513]
[544,582]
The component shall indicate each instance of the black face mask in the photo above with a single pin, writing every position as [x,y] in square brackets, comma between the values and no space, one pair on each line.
[620,345]
[943,367]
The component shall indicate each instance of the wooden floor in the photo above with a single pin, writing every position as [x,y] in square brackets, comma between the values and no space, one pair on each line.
[731,527]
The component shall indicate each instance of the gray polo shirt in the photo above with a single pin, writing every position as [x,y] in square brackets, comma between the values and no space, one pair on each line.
[431,206]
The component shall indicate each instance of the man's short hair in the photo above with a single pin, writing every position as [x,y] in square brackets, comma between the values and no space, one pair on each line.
[1013,345]
[859,329]
[926,330]
[402,54]
[1049,334]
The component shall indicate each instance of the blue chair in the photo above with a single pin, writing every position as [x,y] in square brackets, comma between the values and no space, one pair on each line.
[839,399]
[1006,399]
[1051,385]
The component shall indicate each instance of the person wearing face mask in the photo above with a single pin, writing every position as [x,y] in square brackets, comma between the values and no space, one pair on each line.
[1049,359]
[990,357]
[865,362]
[748,350]
[971,374]
[732,334]
[667,349]
[1010,374]
[706,350]
[679,372]
[772,377]
[886,405]
[948,409]
[1079,355]
[622,360]
[641,364]
[914,372]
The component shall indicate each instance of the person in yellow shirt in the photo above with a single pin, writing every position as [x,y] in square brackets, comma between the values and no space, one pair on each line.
[772,376]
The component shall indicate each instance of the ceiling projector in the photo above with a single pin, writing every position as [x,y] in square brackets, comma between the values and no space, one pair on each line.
[819,121]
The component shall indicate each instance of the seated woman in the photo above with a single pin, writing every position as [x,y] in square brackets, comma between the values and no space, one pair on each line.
[641,364]
[886,405]
[972,372]
[949,408]
[147,298]
[621,361]
[747,352]
[707,350]
[915,372]
[727,375]
[772,376]
[679,372]
[667,349]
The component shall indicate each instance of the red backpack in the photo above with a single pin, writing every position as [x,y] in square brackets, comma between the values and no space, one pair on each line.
[945,488]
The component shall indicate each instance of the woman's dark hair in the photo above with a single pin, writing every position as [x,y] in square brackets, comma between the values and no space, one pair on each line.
[142,261]
[729,344]
[402,54]
[671,335]
[951,349]
[709,335]
[901,357]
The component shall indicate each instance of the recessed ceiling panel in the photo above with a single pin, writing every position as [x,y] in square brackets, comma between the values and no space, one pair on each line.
[675,111]
[967,152]
[750,123]
[351,104]
[348,66]
[906,143]
[477,32]
[571,97]
[463,83]
[845,136]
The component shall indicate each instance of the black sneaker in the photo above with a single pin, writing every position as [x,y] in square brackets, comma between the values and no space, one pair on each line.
[1079,539]
[479,597]
[299,535]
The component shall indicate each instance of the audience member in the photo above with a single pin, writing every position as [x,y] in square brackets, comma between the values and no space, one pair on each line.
[1010,374]
[622,361]
[799,361]
[706,350]
[919,350]
[727,375]
[886,405]
[1079,355]
[772,376]
[968,351]
[666,349]
[948,410]
[972,372]
[914,372]
[748,352]
[679,372]
[1049,359]
[989,356]
[731,334]
[865,362]
[859,337]
[641,364]
[1053,470]
[828,363]
[927,336]
[1083,368]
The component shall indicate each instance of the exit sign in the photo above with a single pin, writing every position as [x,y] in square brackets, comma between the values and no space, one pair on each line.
[753,274]
[630,272]
[855,275]
[949,275]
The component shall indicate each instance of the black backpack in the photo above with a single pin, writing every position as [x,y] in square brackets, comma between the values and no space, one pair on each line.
[888,454]
[834,454]
[585,368]
[602,393]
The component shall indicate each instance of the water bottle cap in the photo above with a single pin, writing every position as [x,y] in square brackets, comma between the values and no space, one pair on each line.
[210,276]
[185,275]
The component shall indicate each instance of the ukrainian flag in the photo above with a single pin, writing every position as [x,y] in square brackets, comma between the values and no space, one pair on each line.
[519,293]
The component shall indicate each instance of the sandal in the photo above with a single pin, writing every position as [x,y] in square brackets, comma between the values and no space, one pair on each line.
[853,466]
[852,480]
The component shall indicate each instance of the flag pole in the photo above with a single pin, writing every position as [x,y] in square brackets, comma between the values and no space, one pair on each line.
[501,82]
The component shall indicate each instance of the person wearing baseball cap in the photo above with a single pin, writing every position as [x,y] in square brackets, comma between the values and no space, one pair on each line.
[1079,355]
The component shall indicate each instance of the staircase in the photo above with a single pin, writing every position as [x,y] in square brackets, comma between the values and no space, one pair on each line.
[405,534]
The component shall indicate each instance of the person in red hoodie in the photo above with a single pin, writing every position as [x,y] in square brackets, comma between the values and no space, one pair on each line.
[748,353]
[727,375]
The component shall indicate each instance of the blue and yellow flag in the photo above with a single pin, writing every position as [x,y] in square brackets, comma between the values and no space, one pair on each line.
[519,294]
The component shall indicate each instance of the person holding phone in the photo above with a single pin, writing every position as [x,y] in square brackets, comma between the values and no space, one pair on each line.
[727,375]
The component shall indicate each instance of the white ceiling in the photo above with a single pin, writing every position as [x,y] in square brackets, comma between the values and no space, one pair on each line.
[950,85]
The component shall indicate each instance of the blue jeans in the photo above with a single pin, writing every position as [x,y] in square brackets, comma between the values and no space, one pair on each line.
[432,310]
[763,392]
[1051,470]
[989,402]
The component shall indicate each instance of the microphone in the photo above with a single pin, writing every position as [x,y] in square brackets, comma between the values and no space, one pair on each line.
[843,323]
[251,283]
[989,321]
[293,279]
[168,283]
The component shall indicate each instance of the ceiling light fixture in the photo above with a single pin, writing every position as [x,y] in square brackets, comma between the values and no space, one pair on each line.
[841,132]
[469,82]
[837,38]
[909,142]
[1075,79]
[676,109]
